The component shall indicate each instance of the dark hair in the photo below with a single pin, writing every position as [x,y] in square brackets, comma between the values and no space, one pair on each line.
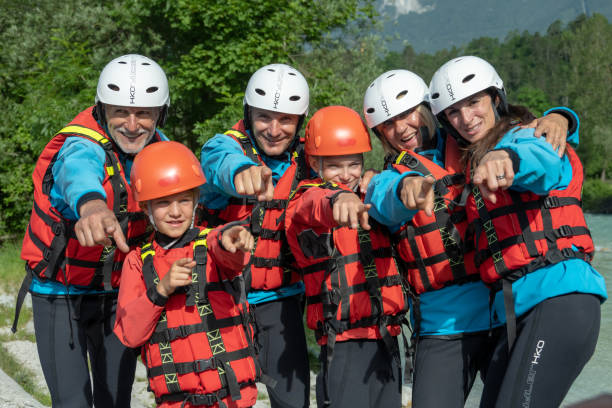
[516,115]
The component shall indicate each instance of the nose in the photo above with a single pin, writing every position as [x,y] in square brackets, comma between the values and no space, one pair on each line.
[345,174]
[132,123]
[466,115]
[173,209]
[275,128]
[399,126]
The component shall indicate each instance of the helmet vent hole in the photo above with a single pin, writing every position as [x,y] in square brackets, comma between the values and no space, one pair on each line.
[152,89]
[260,91]
[391,75]
[401,94]
[372,84]
[435,95]
[145,63]
[271,70]
[122,62]
[468,78]
[371,110]
[113,87]
[295,98]
[292,73]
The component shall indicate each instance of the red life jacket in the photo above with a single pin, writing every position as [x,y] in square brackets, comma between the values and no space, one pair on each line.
[272,264]
[523,232]
[433,248]
[353,287]
[50,247]
[201,351]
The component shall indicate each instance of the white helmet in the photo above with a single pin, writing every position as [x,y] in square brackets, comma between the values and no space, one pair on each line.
[133,80]
[279,88]
[460,78]
[392,93]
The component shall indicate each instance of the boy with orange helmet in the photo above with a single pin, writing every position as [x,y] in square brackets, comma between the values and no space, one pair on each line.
[354,292]
[182,299]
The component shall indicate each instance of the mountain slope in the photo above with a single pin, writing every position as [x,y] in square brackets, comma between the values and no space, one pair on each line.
[431,25]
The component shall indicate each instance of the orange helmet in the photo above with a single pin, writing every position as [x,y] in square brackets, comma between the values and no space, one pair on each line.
[336,131]
[164,168]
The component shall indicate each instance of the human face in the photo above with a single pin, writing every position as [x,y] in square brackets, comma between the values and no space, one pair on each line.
[131,128]
[273,131]
[345,169]
[173,214]
[402,131]
[472,117]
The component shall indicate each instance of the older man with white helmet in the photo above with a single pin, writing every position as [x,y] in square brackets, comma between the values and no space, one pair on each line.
[84,219]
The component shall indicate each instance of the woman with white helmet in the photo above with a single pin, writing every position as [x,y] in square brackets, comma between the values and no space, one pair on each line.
[82,200]
[251,169]
[450,312]
[532,245]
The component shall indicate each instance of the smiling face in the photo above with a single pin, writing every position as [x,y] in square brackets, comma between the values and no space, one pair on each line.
[273,131]
[472,117]
[173,214]
[345,169]
[402,131]
[131,128]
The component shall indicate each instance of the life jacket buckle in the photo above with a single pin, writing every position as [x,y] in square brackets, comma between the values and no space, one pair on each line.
[564,231]
[552,202]
[58,228]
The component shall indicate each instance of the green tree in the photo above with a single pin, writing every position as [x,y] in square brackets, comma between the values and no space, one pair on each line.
[212,47]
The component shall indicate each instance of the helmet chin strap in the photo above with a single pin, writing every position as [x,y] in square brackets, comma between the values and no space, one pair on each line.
[150,211]
[497,117]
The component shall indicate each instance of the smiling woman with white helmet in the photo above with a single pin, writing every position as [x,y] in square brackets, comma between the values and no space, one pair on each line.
[532,244]
[84,221]
[250,171]
[451,336]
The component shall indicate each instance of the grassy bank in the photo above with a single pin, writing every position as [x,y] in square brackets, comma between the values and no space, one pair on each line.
[11,275]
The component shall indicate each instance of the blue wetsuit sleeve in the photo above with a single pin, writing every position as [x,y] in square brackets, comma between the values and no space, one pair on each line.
[573,126]
[78,171]
[387,208]
[222,158]
[540,168]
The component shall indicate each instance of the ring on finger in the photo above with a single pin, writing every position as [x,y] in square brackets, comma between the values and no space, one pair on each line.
[500,177]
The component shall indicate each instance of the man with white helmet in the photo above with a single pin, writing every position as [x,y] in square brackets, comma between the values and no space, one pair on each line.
[84,221]
[250,172]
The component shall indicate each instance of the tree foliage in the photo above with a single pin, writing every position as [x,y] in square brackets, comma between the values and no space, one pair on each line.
[53,52]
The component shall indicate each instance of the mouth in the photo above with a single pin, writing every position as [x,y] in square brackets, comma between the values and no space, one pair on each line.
[473,130]
[408,140]
[131,136]
[273,140]
[175,223]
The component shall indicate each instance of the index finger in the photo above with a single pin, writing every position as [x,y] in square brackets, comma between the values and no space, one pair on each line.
[364,217]
[120,241]
[266,192]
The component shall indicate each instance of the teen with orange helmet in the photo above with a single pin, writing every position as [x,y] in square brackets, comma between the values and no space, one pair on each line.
[354,293]
[182,298]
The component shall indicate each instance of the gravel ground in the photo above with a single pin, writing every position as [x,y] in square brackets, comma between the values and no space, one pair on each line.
[13,396]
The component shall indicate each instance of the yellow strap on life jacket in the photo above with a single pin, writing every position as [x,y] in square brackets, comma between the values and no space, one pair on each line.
[110,170]
[236,133]
[146,251]
[308,185]
[400,157]
[201,240]
[241,136]
[87,132]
